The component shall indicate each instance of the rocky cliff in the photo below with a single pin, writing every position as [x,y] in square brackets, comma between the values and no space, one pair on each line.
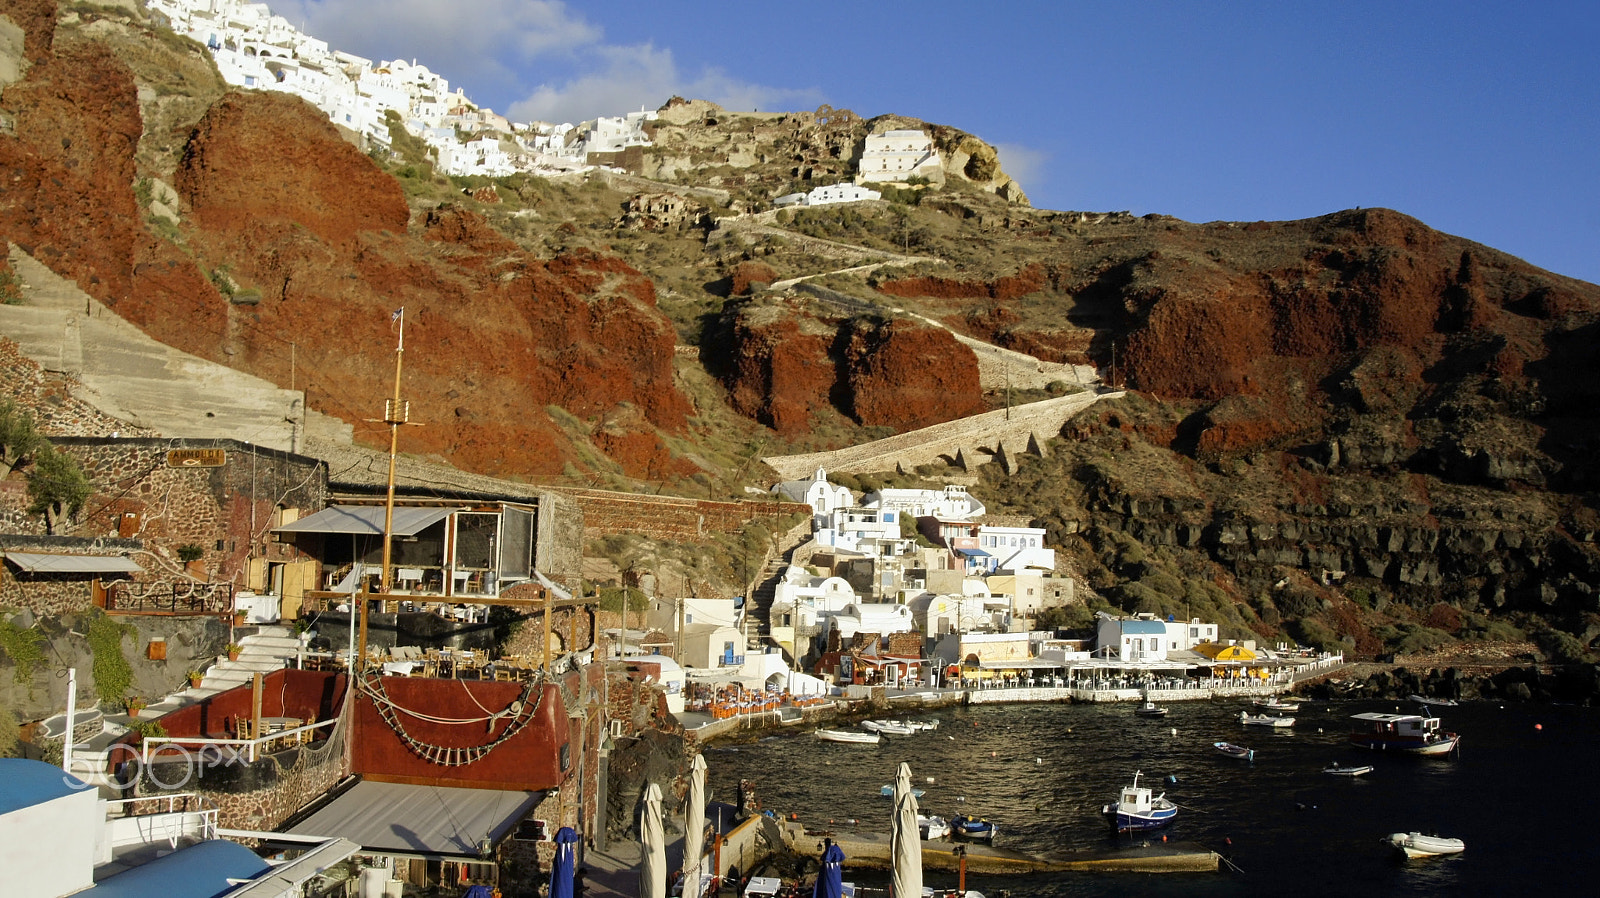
[1351,430]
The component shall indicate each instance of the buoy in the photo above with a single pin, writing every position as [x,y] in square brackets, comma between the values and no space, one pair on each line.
[1172,779]
[991,754]
[930,779]
[1174,731]
[1038,760]
[1163,838]
[1538,726]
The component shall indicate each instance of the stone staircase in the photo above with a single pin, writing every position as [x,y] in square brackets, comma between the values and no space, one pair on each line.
[759,608]
[264,651]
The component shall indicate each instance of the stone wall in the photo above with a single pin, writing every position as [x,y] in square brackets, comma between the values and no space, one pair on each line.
[671,517]
[275,787]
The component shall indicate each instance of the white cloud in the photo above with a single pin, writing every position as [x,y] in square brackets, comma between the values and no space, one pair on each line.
[626,78]
[1025,165]
[474,43]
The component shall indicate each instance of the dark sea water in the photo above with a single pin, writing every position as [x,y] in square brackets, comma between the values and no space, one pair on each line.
[1518,792]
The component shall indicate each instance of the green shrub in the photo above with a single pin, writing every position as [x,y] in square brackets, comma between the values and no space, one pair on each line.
[113,676]
[25,648]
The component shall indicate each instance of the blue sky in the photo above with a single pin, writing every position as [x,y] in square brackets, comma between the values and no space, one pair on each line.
[1481,119]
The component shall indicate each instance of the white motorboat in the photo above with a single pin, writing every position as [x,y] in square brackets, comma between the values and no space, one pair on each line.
[1410,733]
[1264,720]
[1419,845]
[930,724]
[888,727]
[1278,706]
[932,827]
[1424,700]
[849,736]
[1334,769]
[1150,709]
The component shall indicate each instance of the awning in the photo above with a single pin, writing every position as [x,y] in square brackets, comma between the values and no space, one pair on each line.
[368,520]
[73,564]
[973,553]
[419,821]
[206,870]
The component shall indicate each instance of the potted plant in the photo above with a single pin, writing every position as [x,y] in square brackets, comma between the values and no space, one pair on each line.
[195,678]
[134,705]
[232,649]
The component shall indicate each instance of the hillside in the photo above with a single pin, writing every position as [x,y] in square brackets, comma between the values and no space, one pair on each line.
[1347,430]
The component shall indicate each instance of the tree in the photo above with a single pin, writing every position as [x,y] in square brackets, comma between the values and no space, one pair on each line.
[19,438]
[57,487]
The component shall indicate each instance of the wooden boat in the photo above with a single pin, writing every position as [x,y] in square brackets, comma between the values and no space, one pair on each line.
[978,829]
[1149,709]
[849,736]
[1137,810]
[1409,733]
[1335,769]
[1235,751]
[1264,720]
[888,792]
[1419,845]
[1424,700]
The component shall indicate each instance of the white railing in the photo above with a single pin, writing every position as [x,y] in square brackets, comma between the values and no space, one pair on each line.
[176,821]
[253,747]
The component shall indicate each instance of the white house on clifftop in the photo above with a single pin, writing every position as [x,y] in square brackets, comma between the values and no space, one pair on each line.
[896,156]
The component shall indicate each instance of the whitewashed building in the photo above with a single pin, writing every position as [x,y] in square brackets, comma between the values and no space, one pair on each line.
[952,503]
[817,492]
[896,156]
[832,193]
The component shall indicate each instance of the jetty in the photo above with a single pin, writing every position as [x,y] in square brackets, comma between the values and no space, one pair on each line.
[872,851]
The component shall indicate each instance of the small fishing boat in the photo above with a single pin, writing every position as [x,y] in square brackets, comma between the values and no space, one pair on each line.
[1424,700]
[1235,751]
[888,792]
[1150,709]
[977,829]
[932,827]
[1138,809]
[1278,706]
[1337,769]
[1410,733]
[1419,845]
[1264,720]
[887,727]
[930,724]
[849,736]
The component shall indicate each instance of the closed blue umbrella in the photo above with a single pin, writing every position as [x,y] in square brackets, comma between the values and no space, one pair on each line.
[830,879]
[565,862]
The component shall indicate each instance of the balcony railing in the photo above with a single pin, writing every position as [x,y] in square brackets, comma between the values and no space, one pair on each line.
[182,598]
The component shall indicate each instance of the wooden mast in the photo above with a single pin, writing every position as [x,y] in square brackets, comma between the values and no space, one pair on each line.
[395,412]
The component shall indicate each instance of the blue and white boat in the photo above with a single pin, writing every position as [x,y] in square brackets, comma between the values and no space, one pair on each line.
[979,829]
[888,791]
[1138,809]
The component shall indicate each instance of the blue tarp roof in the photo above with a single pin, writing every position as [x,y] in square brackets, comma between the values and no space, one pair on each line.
[25,783]
[199,871]
[1142,627]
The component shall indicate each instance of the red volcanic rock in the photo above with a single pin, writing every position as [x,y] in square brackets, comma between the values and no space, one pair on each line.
[906,376]
[236,170]
[37,19]
[747,273]
[642,455]
[462,227]
[68,195]
[779,375]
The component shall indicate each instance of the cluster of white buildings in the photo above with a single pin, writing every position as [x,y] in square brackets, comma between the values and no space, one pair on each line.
[912,586]
[255,49]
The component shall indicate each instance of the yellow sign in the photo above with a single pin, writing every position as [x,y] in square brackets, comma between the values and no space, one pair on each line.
[196,458]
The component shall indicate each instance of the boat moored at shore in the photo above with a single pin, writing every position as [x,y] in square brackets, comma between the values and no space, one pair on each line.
[1409,733]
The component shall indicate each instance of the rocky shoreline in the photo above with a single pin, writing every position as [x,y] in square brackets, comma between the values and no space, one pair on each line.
[1572,683]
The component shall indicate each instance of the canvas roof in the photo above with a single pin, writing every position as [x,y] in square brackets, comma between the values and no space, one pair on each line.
[73,564]
[368,519]
[419,821]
